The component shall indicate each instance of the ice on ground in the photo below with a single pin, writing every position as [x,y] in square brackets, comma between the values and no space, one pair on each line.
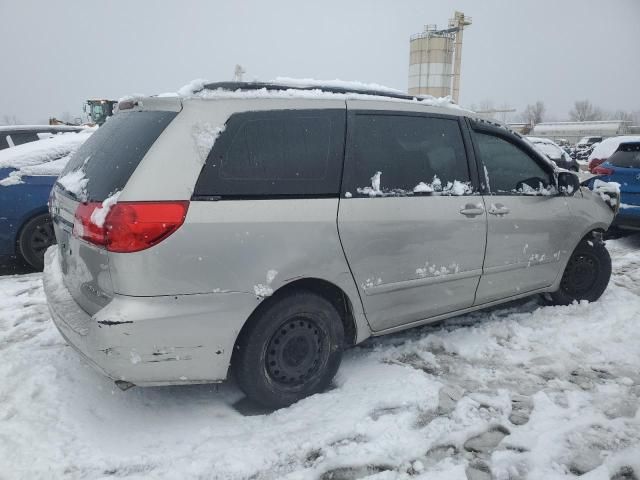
[520,391]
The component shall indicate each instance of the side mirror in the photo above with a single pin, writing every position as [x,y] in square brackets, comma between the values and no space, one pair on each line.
[568,183]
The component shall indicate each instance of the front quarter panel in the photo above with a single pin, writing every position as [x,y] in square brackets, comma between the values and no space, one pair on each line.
[590,212]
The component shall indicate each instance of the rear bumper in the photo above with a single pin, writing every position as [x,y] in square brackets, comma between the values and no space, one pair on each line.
[147,341]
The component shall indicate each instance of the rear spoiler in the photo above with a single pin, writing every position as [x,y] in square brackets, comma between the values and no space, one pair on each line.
[167,103]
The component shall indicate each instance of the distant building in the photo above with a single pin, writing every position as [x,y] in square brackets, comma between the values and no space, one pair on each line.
[574,131]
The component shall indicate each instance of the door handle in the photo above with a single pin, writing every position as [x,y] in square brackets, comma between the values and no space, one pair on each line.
[471,210]
[498,209]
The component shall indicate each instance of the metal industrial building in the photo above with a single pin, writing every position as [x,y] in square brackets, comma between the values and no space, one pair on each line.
[435,57]
[574,131]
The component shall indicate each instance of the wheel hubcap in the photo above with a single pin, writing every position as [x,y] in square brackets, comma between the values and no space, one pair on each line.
[295,352]
[42,238]
[580,275]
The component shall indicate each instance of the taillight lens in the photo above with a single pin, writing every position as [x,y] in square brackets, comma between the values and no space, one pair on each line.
[600,170]
[594,162]
[130,226]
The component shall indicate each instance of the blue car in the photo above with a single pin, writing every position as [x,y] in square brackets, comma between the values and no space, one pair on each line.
[623,167]
[27,174]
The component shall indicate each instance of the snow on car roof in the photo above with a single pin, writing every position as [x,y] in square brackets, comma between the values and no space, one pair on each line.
[608,146]
[40,128]
[42,157]
[303,88]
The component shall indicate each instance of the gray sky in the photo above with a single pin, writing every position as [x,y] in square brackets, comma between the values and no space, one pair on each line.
[56,54]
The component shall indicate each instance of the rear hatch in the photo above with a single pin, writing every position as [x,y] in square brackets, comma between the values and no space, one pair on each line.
[625,166]
[99,170]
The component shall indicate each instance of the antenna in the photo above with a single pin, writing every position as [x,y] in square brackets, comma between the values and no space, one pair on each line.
[238,72]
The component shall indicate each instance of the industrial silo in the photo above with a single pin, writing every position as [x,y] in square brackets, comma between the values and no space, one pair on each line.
[435,58]
[430,62]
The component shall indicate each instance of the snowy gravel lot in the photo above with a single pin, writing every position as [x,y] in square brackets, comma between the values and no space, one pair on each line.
[523,391]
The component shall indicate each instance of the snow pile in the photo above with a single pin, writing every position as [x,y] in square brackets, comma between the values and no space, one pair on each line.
[433,270]
[99,215]
[435,187]
[526,189]
[347,84]
[521,391]
[608,191]
[374,189]
[262,290]
[42,157]
[204,135]
[75,182]
[608,146]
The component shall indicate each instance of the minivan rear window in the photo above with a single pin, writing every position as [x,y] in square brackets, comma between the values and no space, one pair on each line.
[111,155]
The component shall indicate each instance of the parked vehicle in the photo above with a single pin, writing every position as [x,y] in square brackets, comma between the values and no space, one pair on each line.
[27,173]
[263,228]
[607,148]
[623,167]
[555,153]
[585,146]
[13,135]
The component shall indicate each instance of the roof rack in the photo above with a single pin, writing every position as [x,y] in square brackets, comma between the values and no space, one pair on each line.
[232,86]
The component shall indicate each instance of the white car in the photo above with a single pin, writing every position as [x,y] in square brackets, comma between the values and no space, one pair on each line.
[555,153]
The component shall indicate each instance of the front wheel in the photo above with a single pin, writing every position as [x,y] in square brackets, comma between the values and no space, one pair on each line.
[586,275]
[291,350]
[36,236]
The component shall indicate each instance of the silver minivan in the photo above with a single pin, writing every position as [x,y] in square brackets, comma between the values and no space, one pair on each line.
[259,229]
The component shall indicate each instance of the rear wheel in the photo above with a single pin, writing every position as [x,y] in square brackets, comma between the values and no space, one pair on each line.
[36,236]
[292,350]
[586,275]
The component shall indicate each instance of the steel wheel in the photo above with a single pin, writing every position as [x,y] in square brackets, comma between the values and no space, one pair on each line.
[295,352]
[581,274]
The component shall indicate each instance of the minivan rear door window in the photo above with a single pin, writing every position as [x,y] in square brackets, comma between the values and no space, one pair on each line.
[278,153]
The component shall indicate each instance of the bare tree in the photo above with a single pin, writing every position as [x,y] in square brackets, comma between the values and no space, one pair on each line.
[622,115]
[10,120]
[584,111]
[534,114]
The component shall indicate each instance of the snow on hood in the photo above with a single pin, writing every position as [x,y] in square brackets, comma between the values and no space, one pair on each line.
[43,157]
[608,146]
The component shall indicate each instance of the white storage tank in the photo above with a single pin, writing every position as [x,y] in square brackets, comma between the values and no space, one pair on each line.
[431,62]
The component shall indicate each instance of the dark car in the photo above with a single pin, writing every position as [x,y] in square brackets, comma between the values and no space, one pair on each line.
[27,174]
[14,135]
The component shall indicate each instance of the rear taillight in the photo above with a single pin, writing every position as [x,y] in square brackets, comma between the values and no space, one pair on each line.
[130,226]
[594,162]
[600,170]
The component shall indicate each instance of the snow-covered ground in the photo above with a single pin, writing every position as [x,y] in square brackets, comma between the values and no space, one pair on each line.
[522,391]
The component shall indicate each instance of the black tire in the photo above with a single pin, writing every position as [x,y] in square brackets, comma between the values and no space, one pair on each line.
[35,237]
[586,275]
[273,361]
